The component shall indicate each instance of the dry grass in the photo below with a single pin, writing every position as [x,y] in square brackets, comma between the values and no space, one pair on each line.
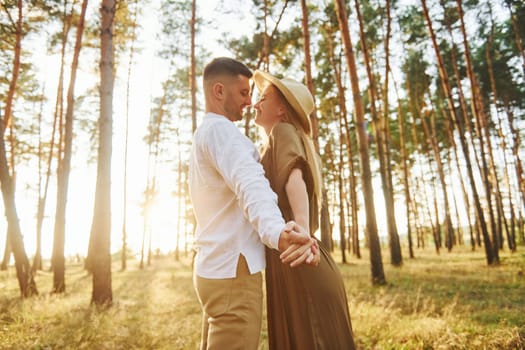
[451,301]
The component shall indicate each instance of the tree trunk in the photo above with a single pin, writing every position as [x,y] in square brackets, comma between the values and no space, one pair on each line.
[517,38]
[511,232]
[37,259]
[124,257]
[466,200]
[342,221]
[379,124]
[430,136]
[101,227]
[479,112]
[378,276]
[58,259]
[354,227]
[7,253]
[459,123]
[193,68]
[393,236]
[24,273]
[179,195]
[58,115]
[325,214]
[405,170]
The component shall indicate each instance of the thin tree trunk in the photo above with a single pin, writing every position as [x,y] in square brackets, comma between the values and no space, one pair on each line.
[393,236]
[124,258]
[153,154]
[193,68]
[24,273]
[325,214]
[415,111]
[466,200]
[404,169]
[354,227]
[515,152]
[7,253]
[179,196]
[378,276]
[57,119]
[101,227]
[480,115]
[341,191]
[511,233]
[379,123]
[432,140]
[266,40]
[264,54]
[459,123]
[58,259]
[37,259]
[517,38]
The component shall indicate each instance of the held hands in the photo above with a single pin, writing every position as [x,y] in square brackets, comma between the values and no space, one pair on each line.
[297,246]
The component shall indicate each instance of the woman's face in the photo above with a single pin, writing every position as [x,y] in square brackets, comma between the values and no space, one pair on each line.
[269,109]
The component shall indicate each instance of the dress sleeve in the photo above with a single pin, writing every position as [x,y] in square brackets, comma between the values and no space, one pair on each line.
[288,153]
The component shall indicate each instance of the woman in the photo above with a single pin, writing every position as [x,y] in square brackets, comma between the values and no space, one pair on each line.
[307,306]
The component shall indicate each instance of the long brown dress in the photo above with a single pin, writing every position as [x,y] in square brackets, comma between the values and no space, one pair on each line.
[307,306]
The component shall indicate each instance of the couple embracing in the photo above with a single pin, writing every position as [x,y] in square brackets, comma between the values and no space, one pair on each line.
[257,212]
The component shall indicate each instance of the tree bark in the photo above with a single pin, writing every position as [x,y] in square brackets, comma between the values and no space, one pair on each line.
[511,232]
[378,276]
[405,171]
[193,68]
[58,259]
[353,207]
[24,272]
[380,132]
[342,221]
[393,236]
[124,253]
[430,135]
[517,38]
[481,117]
[102,294]
[459,123]
[325,213]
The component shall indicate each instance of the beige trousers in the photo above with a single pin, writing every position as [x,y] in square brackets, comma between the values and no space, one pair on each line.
[232,310]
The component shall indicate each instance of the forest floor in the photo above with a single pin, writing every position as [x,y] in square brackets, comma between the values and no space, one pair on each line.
[447,301]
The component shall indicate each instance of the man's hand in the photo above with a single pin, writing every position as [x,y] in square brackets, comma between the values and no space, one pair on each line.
[297,246]
[297,254]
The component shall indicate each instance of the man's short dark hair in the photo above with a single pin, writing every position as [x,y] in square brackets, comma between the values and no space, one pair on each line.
[225,66]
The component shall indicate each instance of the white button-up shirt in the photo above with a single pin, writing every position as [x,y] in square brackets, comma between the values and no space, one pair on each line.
[235,208]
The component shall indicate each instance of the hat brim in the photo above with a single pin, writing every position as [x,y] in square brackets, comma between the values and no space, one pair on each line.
[263,79]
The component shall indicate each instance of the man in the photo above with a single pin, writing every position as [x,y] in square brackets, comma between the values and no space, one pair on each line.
[236,214]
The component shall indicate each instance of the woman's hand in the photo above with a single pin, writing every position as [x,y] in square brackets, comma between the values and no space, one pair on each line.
[297,254]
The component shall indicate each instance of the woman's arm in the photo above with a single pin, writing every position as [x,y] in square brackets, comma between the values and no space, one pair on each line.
[298,198]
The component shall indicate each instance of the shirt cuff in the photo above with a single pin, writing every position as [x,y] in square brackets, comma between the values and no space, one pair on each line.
[273,239]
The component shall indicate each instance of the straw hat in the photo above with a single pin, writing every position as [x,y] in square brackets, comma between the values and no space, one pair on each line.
[297,94]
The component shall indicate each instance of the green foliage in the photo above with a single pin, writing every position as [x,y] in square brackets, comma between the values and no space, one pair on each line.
[503,53]
[413,26]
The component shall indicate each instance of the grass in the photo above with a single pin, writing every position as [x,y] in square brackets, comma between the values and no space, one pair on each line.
[447,301]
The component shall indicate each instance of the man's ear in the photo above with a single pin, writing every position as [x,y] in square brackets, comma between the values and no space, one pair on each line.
[218,90]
